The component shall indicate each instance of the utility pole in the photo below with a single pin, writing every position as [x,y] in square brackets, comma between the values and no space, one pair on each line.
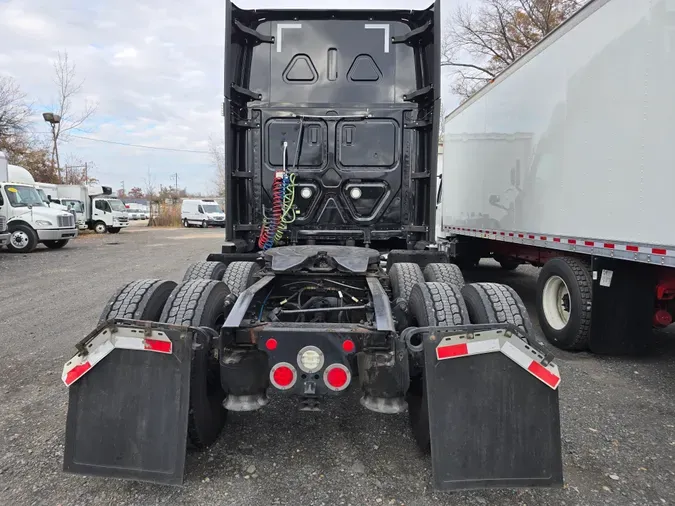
[175,176]
[124,193]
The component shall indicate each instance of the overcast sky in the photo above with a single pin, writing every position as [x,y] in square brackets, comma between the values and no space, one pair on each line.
[154,67]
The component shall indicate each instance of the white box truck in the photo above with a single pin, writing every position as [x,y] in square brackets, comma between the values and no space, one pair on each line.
[29,220]
[95,207]
[566,161]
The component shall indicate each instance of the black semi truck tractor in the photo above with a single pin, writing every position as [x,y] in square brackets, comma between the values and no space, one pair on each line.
[328,280]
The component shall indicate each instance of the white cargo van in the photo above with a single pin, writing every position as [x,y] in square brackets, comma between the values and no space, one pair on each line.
[202,213]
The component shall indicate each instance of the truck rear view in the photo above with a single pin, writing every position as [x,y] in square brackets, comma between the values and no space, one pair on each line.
[331,143]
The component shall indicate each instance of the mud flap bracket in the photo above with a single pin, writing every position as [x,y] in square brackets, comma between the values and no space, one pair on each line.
[127,416]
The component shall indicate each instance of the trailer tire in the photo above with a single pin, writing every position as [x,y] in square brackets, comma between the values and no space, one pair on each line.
[240,275]
[403,276]
[575,274]
[22,238]
[100,227]
[431,304]
[205,270]
[444,273]
[142,299]
[496,303]
[57,244]
[201,303]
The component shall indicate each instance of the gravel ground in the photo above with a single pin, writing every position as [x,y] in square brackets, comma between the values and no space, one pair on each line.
[618,415]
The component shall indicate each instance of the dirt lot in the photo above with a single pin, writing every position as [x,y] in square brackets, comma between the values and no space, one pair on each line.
[618,415]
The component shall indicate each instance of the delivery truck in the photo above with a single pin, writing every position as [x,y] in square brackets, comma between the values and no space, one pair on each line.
[29,219]
[331,135]
[565,161]
[96,209]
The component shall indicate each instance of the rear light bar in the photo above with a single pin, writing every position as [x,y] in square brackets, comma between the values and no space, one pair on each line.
[105,342]
[514,348]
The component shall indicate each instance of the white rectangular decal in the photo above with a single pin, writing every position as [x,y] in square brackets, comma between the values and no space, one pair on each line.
[606,278]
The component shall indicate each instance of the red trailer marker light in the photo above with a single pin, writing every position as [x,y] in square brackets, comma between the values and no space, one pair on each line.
[337,377]
[348,345]
[283,375]
[271,344]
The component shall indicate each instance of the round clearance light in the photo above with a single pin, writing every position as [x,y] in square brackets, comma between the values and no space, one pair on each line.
[306,192]
[348,345]
[337,377]
[310,359]
[271,344]
[283,375]
[355,193]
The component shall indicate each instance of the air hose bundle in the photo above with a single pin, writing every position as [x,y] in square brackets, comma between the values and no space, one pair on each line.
[283,212]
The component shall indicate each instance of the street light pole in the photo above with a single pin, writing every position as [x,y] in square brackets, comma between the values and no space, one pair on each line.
[53,120]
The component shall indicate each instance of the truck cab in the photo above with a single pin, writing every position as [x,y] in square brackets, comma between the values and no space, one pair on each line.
[106,213]
[29,220]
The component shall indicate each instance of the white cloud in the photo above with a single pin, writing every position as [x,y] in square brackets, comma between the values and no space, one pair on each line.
[126,54]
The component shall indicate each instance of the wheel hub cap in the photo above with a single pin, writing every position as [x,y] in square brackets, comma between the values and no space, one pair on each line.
[556,302]
[19,239]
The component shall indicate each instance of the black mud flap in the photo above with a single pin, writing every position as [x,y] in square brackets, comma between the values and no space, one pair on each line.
[127,416]
[493,422]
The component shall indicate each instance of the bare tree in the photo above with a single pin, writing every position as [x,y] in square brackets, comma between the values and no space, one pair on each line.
[217,152]
[69,86]
[481,43]
[14,110]
[149,183]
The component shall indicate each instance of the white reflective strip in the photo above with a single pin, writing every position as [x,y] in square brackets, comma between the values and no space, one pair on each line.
[280,27]
[516,355]
[479,347]
[130,343]
[385,27]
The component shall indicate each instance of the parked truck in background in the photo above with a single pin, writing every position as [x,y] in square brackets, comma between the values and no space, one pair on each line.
[97,209]
[566,162]
[29,220]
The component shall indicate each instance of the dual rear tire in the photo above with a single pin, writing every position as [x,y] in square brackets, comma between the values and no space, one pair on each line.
[196,303]
[434,303]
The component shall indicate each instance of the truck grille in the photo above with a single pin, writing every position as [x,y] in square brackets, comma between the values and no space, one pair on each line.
[66,221]
[123,219]
[3,223]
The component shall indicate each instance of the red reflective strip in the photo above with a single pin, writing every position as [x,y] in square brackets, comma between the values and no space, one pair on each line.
[589,243]
[632,248]
[456,350]
[659,251]
[572,241]
[543,237]
[531,236]
[544,374]
[480,231]
[76,372]
[556,239]
[510,234]
[501,233]
[609,245]
[157,345]
[494,232]
[521,235]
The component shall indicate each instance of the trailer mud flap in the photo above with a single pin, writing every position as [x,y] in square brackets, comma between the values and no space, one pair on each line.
[493,410]
[128,407]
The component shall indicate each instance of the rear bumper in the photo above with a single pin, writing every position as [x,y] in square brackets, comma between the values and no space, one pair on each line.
[56,234]
[4,238]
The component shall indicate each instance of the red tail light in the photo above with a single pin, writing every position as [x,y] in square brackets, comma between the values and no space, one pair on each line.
[283,375]
[337,377]
[348,345]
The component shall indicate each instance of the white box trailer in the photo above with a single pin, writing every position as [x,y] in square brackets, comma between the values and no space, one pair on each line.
[566,160]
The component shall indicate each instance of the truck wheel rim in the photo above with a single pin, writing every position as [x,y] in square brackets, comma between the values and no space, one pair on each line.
[556,302]
[100,228]
[19,239]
